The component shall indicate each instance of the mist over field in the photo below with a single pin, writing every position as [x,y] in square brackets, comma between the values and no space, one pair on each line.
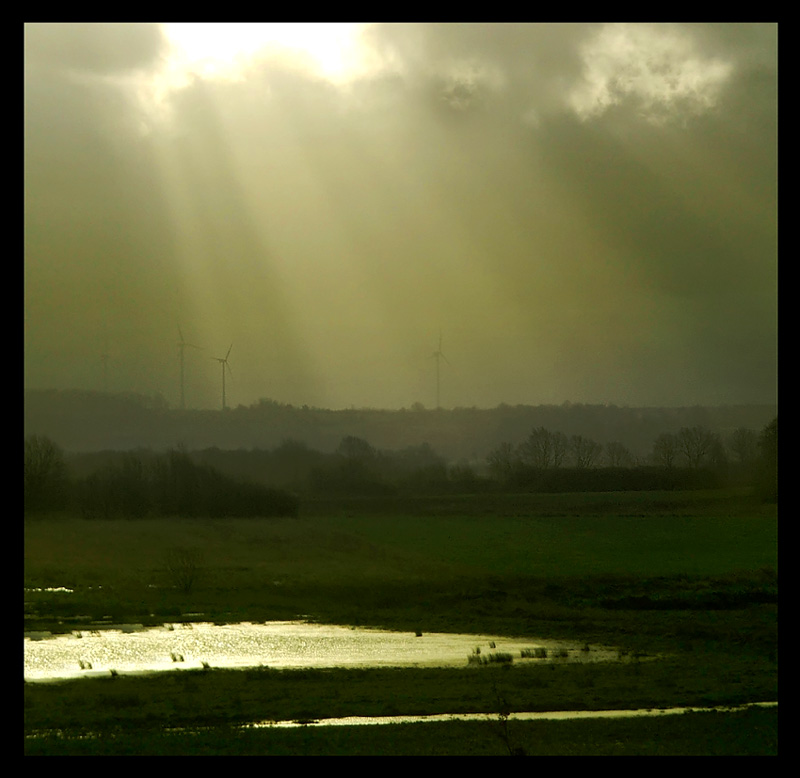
[448,330]
[534,213]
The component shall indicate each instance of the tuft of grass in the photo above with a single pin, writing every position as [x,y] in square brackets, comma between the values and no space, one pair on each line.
[534,653]
[498,657]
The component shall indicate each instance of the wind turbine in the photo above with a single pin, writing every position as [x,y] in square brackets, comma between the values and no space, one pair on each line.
[224,364]
[181,346]
[439,356]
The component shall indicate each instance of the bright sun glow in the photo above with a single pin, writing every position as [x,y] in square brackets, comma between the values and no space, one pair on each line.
[224,50]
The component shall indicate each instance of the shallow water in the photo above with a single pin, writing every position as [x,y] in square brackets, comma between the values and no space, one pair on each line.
[560,715]
[282,644]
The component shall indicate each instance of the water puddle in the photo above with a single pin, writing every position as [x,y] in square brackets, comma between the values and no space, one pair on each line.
[561,715]
[360,721]
[131,648]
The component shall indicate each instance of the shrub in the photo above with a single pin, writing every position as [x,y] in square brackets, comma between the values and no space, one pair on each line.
[173,485]
[768,469]
[183,566]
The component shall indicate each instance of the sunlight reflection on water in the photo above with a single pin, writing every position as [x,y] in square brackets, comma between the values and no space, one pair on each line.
[280,644]
[561,715]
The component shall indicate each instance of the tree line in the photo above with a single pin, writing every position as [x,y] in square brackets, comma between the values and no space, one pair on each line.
[143,484]
[91,422]
[216,482]
[694,457]
[692,447]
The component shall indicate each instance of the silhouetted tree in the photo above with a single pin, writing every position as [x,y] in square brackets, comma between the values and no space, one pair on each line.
[744,446]
[585,452]
[543,449]
[717,455]
[666,450]
[501,462]
[183,567]
[356,467]
[45,478]
[134,486]
[768,471]
[697,444]
[414,458]
[618,455]
[173,485]
[355,449]
[560,448]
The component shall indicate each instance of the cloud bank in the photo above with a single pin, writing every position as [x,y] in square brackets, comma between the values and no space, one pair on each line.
[582,212]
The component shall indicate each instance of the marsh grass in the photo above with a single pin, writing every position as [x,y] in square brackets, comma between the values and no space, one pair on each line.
[498,657]
[534,653]
[689,581]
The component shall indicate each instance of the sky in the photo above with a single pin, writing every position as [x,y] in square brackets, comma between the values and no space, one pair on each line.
[580,213]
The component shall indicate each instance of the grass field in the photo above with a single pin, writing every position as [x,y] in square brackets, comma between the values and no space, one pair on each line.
[669,534]
[690,578]
[750,733]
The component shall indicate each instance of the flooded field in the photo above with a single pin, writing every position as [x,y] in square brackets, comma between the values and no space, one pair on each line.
[560,715]
[130,648]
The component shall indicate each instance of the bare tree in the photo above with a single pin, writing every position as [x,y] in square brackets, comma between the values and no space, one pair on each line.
[768,446]
[45,473]
[618,455]
[501,461]
[696,444]
[585,452]
[560,448]
[543,449]
[183,566]
[744,445]
[666,449]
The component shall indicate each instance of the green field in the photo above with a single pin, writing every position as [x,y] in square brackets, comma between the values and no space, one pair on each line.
[685,581]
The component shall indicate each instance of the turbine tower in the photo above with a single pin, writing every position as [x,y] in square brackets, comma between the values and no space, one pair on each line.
[181,346]
[224,364]
[439,356]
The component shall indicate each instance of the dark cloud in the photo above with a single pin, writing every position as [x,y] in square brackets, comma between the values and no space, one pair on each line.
[579,222]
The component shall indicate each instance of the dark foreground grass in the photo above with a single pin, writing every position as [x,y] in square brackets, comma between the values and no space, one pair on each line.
[363,562]
[688,583]
[753,732]
[225,697]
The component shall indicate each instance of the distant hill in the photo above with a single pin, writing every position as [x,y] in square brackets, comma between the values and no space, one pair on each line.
[94,421]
